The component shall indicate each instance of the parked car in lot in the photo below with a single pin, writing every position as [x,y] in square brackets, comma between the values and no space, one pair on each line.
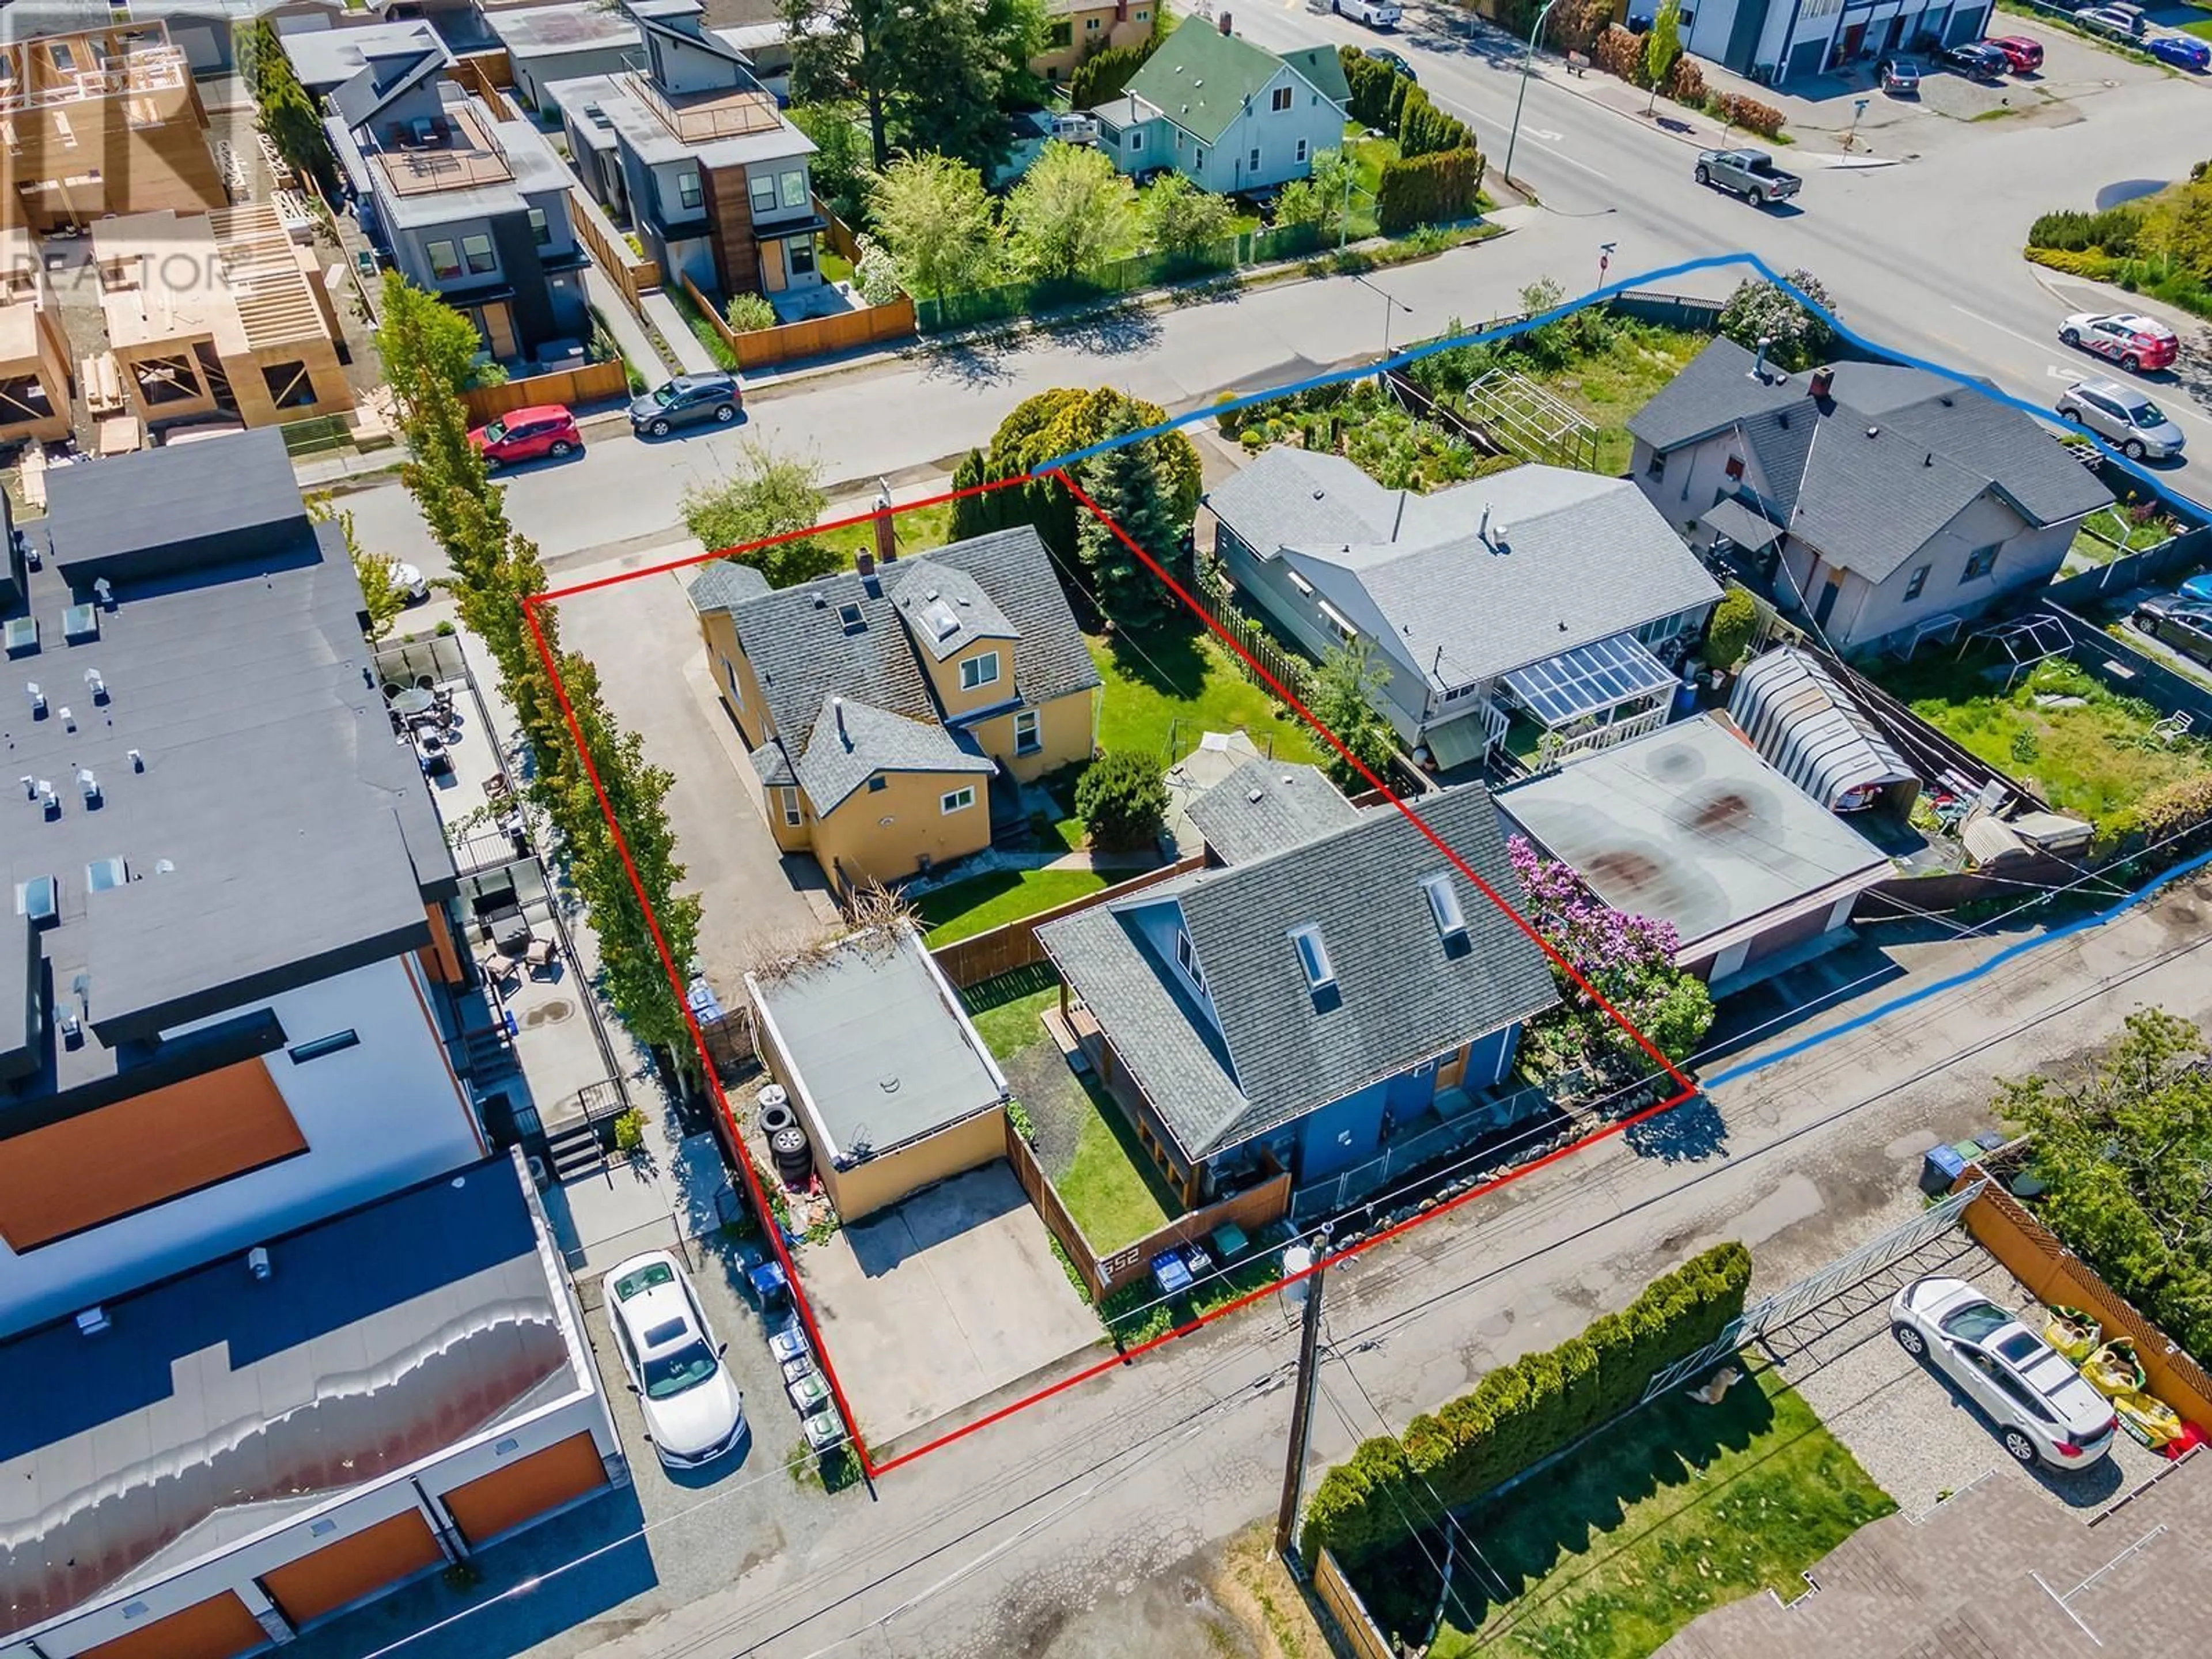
[1750,173]
[2123,417]
[2123,21]
[685,401]
[2023,55]
[2044,1410]
[2182,51]
[2132,341]
[527,434]
[2179,621]
[1978,60]
[693,1412]
[1900,76]
[410,580]
[1398,65]
[1375,13]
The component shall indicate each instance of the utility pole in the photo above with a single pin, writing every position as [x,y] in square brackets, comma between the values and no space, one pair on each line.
[1302,1401]
[1528,59]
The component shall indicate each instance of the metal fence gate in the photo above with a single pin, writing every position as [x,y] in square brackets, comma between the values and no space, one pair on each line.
[1846,1280]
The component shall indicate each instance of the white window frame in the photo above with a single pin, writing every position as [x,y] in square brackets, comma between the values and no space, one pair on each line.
[956,800]
[1029,742]
[761,187]
[973,674]
[790,188]
[787,795]
[1187,959]
[1136,136]
[1301,157]
[689,193]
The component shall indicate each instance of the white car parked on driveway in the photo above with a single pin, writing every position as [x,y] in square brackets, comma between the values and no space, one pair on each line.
[1375,13]
[2044,1410]
[693,1412]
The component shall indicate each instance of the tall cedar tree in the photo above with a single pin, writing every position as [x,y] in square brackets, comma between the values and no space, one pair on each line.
[933,75]
[1129,488]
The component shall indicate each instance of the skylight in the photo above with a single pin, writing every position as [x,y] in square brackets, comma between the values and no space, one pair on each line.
[39,899]
[1444,905]
[849,615]
[103,875]
[1313,957]
[943,623]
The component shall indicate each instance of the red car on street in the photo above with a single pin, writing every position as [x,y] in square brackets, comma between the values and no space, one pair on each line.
[2026,56]
[527,434]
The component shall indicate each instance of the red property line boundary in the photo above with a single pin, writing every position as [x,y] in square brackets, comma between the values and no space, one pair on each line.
[531,606]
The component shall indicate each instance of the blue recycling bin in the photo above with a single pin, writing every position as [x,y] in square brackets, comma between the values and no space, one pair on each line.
[1940,1170]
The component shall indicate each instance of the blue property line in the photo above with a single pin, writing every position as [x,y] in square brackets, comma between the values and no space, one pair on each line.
[1614,290]
[2008,954]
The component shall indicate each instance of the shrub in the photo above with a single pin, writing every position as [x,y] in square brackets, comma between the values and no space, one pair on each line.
[1727,635]
[1123,801]
[2088,262]
[2115,231]
[630,1131]
[1749,113]
[1618,52]
[1521,1414]
[1578,23]
[1425,130]
[1429,189]
[1104,76]
[747,313]
[1687,84]
[1369,79]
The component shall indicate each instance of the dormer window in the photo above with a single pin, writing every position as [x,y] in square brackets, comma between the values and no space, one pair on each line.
[980,670]
[1313,959]
[1187,959]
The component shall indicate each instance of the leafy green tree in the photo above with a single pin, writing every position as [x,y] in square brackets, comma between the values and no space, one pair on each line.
[934,77]
[1123,801]
[1320,197]
[1759,311]
[2123,1148]
[289,115]
[1072,210]
[1727,634]
[382,595]
[1127,486]
[934,217]
[1662,46]
[1345,696]
[1180,220]
[765,493]
[841,158]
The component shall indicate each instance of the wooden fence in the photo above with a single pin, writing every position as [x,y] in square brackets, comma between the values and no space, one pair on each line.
[1217,600]
[843,242]
[2034,1255]
[483,74]
[628,269]
[1344,1605]
[590,383]
[1004,949]
[756,347]
[1054,1213]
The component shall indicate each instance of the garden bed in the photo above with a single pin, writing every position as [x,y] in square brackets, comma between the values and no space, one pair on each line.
[1678,1509]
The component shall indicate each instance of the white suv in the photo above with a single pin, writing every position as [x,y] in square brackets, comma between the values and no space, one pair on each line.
[2123,417]
[2044,1410]
[1375,13]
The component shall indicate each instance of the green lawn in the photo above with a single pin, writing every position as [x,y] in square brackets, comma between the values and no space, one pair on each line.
[2092,760]
[2201,29]
[1682,1507]
[982,902]
[1167,687]
[1006,1017]
[1611,386]
[920,530]
[703,331]
[1113,1191]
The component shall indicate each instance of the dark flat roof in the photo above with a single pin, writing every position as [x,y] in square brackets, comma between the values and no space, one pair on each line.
[271,830]
[218,1404]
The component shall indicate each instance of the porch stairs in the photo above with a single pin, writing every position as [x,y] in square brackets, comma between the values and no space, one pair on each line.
[574,1152]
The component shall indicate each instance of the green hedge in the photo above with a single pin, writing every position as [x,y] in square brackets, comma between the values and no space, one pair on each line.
[1521,1414]
[1376,87]
[1425,130]
[1429,190]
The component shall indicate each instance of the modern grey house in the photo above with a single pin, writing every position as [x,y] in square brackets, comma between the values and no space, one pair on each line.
[1306,1005]
[1542,594]
[690,151]
[1784,41]
[325,59]
[1886,505]
[1226,114]
[473,209]
[546,43]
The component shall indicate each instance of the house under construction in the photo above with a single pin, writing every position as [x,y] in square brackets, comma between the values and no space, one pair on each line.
[220,314]
[34,384]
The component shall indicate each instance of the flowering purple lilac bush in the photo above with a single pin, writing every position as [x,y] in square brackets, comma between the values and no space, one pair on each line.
[1628,959]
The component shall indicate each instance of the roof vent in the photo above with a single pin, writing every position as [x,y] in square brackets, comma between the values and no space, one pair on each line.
[1929,460]
[103,591]
[1874,432]
[1253,798]
[93,1320]
[94,684]
[137,760]
[48,799]
[89,782]
[837,714]
[38,700]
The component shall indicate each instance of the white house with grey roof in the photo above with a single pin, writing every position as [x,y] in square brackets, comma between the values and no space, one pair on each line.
[1331,991]
[1550,595]
[1885,505]
[548,43]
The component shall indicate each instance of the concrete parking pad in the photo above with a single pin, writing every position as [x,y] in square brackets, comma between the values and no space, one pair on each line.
[945,1297]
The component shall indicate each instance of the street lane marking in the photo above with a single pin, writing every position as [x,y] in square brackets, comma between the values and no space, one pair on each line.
[1546,134]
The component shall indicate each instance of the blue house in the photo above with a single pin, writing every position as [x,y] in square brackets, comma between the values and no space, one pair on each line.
[1333,982]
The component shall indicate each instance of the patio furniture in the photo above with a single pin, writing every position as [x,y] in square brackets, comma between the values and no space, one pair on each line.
[437,763]
[496,968]
[1170,1273]
[495,787]
[509,930]
[539,953]
[1228,1242]
[410,700]
[426,682]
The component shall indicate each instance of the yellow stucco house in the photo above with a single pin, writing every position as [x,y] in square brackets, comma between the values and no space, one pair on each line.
[881,704]
[1080,28]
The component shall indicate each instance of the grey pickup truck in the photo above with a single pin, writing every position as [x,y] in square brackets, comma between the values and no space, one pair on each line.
[1750,173]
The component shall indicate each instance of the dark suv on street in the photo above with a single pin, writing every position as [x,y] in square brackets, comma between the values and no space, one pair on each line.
[685,400]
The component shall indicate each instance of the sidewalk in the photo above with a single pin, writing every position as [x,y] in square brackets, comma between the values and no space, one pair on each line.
[613,310]
[664,315]
[1697,131]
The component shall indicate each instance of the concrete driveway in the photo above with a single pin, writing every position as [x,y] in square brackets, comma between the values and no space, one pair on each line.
[941,1301]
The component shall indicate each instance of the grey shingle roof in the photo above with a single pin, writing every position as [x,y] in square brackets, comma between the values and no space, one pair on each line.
[1571,558]
[945,608]
[772,765]
[1265,805]
[1401,997]
[803,652]
[1870,503]
[723,584]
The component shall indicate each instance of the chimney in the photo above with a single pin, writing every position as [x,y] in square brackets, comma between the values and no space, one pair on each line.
[864,564]
[1823,380]
[886,539]
[837,713]
[1758,364]
[1224,22]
